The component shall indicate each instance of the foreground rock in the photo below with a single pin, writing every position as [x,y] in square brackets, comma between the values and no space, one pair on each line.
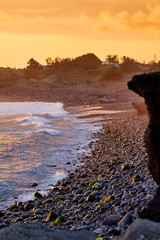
[142,230]
[37,231]
[148,87]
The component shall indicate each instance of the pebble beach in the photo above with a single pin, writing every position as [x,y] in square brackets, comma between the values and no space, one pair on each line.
[104,194]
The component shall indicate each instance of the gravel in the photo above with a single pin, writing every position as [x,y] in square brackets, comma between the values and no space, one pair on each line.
[104,194]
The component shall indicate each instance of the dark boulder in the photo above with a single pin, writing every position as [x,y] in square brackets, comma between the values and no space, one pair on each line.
[142,229]
[148,87]
[37,231]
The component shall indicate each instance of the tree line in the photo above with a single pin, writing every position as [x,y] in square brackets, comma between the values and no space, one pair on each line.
[86,61]
[112,68]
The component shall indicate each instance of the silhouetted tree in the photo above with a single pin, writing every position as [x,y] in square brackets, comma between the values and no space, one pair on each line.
[49,61]
[59,63]
[112,59]
[33,64]
[87,61]
[66,63]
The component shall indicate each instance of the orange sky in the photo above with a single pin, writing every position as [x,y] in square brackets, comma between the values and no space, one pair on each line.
[68,28]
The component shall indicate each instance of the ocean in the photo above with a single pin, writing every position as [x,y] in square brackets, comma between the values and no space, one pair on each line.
[37,140]
[40,143]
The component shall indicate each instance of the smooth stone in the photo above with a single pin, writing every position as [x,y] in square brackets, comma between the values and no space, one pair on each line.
[25,216]
[19,220]
[125,196]
[2,213]
[125,220]
[87,193]
[7,221]
[34,185]
[28,206]
[69,223]
[97,186]
[119,229]
[68,163]
[111,220]
[50,194]
[38,212]
[83,227]
[73,228]
[98,231]
[91,198]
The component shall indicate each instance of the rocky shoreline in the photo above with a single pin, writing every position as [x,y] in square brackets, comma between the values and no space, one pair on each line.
[104,195]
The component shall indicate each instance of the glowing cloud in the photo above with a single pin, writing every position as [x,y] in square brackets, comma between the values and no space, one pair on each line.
[81,21]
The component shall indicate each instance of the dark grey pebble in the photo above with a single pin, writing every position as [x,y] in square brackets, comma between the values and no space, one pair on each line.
[68,223]
[68,163]
[34,185]
[25,216]
[125,220]
[28,206]
[7,221]
[111,220]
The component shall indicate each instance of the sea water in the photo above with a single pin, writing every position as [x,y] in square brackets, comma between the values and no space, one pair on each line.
[36,141]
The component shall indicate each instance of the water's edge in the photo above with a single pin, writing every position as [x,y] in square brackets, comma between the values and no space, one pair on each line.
[53,142]
[78,126]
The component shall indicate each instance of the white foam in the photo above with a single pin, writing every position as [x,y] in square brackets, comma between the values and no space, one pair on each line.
[30,119]
[52,132]
[45,130]
[15,108]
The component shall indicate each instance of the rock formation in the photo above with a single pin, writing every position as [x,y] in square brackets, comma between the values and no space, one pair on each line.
[148,87]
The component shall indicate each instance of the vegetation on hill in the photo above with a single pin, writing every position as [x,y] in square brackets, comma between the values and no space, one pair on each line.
[110,73]
[9,76]
[129,65]
[112,59]
[33,64]
[86,68]
[116,67]
[154,67]
[87,61]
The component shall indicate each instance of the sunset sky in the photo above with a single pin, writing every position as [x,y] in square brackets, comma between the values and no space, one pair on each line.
[69,28]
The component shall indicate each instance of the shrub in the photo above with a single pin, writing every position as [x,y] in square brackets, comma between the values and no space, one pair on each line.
[129,65]
[111,73]
[35,74]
